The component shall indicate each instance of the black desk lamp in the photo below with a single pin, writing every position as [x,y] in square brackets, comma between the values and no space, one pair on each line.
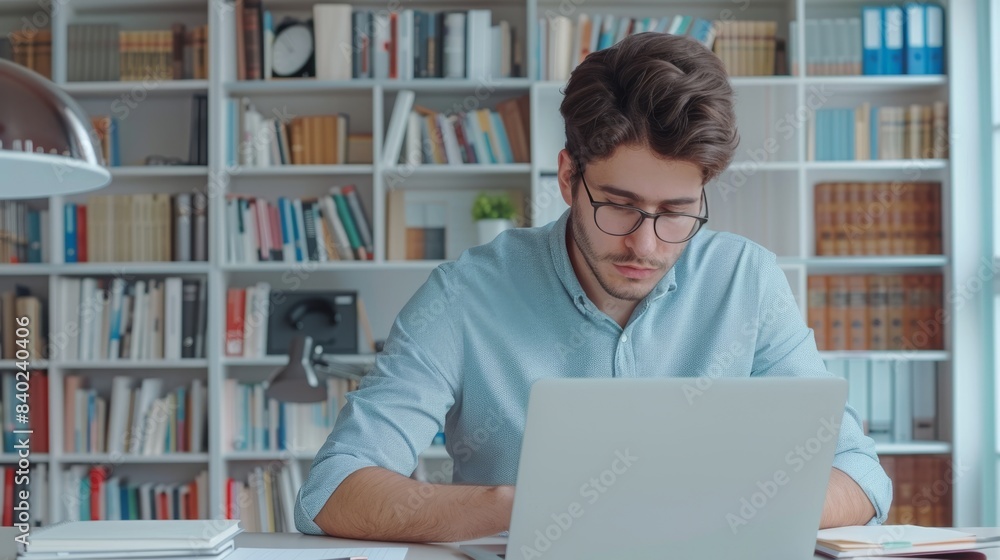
[297,381]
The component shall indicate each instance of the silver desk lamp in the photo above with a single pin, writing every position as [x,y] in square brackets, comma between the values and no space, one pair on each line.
[46,142]
[297,381]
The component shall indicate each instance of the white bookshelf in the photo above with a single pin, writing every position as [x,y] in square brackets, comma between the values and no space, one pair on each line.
[781,186]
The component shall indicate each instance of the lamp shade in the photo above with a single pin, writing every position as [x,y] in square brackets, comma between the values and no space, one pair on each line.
[297,382]
[46,142]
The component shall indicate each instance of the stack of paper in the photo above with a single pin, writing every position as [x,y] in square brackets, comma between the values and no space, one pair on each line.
[895,540]
[122,540]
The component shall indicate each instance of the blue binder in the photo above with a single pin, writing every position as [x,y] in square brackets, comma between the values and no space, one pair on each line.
[916,42]
[892,40]
[871,39]
[934,25]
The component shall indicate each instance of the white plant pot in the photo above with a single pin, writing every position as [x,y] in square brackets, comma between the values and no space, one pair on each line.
[489,229]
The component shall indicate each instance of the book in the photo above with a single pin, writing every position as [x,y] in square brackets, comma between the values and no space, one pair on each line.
[896,540]
[132,536]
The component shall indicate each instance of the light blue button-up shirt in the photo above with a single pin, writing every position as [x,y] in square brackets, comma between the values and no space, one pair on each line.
[464,351]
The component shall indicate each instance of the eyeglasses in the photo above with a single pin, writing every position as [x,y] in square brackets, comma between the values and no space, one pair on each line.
[621,220]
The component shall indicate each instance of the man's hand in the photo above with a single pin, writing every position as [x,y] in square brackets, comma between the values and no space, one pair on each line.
[378,504]
[846,503]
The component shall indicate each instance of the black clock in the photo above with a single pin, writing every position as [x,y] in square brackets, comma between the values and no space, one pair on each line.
[294,49]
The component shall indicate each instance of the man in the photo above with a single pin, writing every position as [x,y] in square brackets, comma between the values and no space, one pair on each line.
[625,284]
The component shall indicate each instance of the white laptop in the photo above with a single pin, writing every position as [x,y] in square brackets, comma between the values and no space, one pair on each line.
[673,468]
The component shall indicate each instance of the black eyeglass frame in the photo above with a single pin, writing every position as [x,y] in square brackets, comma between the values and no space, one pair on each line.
[702,220]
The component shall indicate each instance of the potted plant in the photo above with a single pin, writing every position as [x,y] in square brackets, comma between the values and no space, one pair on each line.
[493,214]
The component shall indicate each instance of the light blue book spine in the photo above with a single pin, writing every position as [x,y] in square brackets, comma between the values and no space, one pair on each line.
[508,155]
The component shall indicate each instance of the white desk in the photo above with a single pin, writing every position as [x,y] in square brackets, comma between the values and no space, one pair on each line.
[8,548]
[437,551]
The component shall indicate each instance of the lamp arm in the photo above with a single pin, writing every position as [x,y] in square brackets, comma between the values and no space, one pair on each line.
[328,365]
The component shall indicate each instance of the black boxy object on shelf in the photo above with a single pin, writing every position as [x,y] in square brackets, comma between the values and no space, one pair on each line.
[329,317]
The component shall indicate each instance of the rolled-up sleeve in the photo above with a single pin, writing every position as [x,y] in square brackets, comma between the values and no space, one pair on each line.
[400,406]
[786,346]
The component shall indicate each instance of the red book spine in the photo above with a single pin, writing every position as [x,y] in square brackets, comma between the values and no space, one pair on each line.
[38,401]
[235,301]
[8,497]
[95,493]
[192,501]
[81,233]
[229,498]
[393,44]
[162,511]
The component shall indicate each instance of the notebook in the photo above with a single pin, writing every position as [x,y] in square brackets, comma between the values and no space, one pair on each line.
[132,536]
[896,540]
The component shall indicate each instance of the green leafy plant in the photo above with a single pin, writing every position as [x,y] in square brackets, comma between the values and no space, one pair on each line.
[487,207]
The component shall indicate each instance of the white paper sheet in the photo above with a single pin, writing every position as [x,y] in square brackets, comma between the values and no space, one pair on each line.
[316,553]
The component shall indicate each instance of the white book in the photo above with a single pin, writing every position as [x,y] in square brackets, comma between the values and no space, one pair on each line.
[287,498]
[71,293]
[383,40]
[857,390]
[233,417]
[260,501]
[451,147]
[250,253]
[90,318]
[249,323]
[332,30]
[880,403]
[139,322]
[146,504]
[477,44]
[156,427]
[414,140]
[196,416]
[149,391]
[173,320]
[121,394]
[454,45]
[397,126]
[404,45]
[182,227]
[263,313]
[902,422]
[101,341]
[340,237]
[39,494]
[924,401]
[72,478]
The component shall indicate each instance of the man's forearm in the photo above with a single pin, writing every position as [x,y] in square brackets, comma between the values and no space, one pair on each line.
[846,503]
[378,504]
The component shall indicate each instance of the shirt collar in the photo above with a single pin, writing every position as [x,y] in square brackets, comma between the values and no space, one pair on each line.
[566,274]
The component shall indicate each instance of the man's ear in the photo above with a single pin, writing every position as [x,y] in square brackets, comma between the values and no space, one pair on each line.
[565,175]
